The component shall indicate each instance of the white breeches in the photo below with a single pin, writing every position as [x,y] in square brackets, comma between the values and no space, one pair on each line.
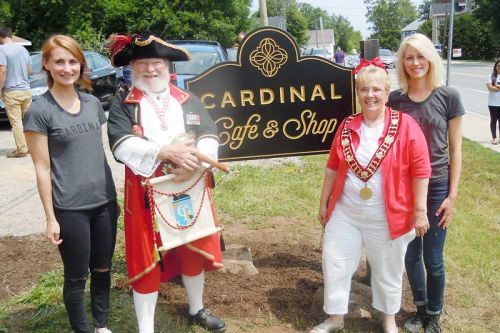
[344,238]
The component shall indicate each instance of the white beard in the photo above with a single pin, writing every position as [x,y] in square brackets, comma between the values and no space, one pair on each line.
[158,84]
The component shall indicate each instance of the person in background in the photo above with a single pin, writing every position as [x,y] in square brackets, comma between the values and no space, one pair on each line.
[64,136]
[493,85]
[353,58]
[339,56]
[373,195]
[142,128]
[15,67]
[438,110]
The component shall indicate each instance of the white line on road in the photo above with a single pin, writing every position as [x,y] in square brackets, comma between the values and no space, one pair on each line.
[475,90]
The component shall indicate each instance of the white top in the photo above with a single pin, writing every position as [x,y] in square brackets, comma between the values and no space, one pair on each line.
[494,96]
[139,154]
[350,202]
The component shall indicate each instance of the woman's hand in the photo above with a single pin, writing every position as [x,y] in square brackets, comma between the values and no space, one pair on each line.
[53,232]
[322,214]
[421,222]
[446,209]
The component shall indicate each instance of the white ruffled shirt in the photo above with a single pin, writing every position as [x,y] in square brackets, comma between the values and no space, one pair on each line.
[140,155]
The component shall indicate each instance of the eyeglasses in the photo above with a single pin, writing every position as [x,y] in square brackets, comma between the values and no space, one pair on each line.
[157,64]
[374,91]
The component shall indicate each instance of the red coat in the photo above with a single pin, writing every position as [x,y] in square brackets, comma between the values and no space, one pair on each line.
[407,159]
[190,259]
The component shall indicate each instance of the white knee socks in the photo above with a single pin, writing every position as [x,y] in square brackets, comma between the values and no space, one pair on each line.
[145,311]
[194,290]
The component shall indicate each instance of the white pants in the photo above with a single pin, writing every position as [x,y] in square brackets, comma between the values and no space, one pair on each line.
[344,238]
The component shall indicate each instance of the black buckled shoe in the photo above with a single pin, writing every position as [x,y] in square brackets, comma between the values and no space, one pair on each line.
[208,321]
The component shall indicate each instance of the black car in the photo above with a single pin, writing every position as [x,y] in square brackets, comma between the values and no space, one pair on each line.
[105,78]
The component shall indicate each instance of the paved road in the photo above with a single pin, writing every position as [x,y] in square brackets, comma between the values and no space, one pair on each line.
[21,212]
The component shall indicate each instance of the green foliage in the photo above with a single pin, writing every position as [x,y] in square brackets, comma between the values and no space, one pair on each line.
[426,28]
[4,13]
[424,8]
[92,21]
[474,37]
[487,12]
[388,18]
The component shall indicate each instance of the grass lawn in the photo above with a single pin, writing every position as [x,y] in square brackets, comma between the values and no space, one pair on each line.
[255,197]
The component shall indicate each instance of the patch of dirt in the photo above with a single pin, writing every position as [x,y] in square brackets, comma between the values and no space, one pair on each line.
[278,299]
[24,259]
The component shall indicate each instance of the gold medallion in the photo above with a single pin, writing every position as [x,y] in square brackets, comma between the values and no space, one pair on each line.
[365,193]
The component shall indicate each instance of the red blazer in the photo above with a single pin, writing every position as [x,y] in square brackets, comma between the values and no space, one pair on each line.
[408,158]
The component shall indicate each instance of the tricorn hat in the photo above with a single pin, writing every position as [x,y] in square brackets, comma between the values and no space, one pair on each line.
[125,48]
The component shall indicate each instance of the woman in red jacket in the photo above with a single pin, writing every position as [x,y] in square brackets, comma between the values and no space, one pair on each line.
[373,195]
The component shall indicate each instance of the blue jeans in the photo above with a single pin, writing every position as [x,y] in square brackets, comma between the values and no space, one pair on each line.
[428,251]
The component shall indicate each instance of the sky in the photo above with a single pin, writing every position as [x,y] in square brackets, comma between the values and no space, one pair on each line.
[353,10]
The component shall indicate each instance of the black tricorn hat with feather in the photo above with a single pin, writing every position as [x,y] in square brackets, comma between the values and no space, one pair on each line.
[125,48]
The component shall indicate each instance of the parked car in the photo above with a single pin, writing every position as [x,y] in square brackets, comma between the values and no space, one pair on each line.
[439,48]
[388,58]
[319,52]
[204,54]
[105,78]
[3,114]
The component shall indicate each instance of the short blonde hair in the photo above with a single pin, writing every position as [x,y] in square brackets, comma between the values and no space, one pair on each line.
[375,71]
[435,75]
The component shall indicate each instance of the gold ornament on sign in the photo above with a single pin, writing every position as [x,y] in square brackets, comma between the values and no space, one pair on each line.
[268,57]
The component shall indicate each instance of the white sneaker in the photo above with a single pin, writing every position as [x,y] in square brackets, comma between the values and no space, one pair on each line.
[102,330]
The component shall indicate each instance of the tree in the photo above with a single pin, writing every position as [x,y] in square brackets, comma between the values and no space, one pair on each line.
[424,9]
[345,35]
[473,37]
[487,12]
[90,20]
[388,18]
[426,28]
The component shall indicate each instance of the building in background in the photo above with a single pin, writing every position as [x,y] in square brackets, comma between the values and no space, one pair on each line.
[317,40]
[411,28]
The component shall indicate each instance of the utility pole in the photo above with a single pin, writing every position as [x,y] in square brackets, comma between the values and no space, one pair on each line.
[450,43]
[322,34]
[263,13]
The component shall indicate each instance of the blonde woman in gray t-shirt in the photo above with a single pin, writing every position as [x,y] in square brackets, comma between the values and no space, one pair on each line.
[438,110]
[63,132]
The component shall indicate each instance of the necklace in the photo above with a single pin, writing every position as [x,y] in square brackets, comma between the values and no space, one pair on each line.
[365,174]
[161,113]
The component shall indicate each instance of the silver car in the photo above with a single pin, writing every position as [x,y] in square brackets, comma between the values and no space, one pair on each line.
[388,58]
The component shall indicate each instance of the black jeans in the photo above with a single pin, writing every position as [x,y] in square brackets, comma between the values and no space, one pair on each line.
[494,119]
[88,241]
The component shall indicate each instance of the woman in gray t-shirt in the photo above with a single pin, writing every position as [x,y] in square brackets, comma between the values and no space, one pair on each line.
[438,110]
[63,132]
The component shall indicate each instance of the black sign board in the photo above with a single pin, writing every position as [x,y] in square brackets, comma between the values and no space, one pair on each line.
[272,102]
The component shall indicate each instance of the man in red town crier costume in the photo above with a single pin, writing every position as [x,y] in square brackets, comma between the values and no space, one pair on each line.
[142,128]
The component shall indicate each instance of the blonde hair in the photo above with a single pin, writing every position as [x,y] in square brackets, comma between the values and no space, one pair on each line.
[435,75]
[71,46]
[375,71]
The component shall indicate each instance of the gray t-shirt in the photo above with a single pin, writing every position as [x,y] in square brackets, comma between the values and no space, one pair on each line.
[80,174]
[17,59]
[432,114]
